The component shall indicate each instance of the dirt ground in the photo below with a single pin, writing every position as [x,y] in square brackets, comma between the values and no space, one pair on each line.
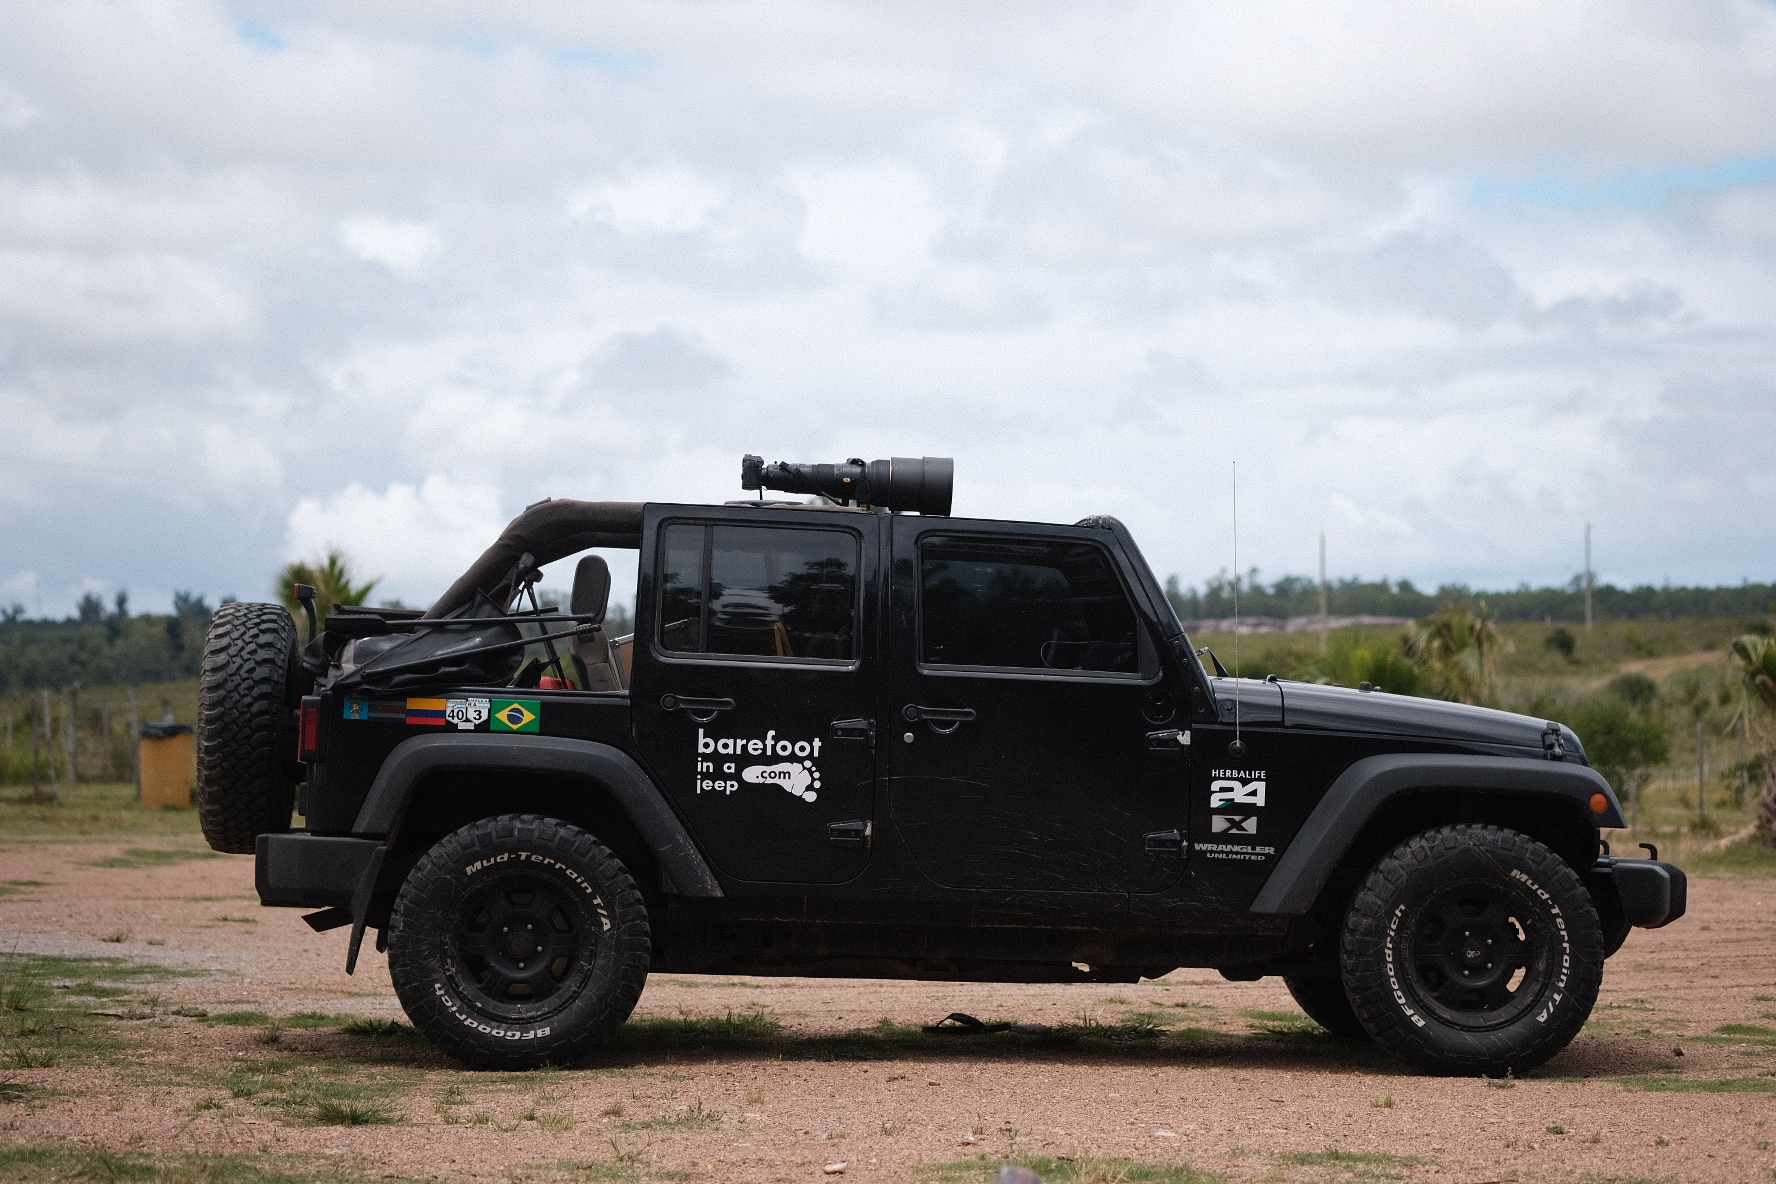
[1675,1078]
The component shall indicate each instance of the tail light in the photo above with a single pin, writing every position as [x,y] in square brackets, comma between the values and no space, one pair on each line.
[308,731]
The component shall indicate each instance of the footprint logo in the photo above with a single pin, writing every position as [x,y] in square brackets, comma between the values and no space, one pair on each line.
[799,778]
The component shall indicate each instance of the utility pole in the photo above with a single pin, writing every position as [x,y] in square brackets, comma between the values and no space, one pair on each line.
[1587,577]
[1323,622]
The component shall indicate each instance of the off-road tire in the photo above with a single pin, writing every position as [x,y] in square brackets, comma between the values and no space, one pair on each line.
[246,731]
[1421,952]
[1324,1001]
[459,979]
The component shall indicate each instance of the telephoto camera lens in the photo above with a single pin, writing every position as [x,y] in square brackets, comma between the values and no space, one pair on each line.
[918,485]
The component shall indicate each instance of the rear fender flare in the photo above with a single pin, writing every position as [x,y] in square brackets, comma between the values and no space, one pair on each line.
[611,768]
[1367,785]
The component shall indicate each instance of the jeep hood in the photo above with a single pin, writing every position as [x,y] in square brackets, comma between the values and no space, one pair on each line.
[1343,709]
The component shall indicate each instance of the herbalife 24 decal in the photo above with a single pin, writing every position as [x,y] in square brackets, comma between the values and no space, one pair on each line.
[798,775]
[1241,789]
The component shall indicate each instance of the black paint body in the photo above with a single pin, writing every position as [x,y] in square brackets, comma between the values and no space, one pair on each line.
[1094,822]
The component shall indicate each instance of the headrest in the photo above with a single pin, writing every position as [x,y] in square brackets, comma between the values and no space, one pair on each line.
[592,587]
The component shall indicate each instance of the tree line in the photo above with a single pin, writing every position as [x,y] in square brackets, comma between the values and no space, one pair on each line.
[1299,596]
[103,645]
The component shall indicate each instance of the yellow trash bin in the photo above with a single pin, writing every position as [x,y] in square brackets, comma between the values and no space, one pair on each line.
[169,765]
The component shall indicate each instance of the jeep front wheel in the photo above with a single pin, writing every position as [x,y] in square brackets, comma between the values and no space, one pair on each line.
[518,941]
[1472,950]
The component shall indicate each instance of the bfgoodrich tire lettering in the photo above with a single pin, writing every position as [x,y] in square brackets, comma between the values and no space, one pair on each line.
[1473,950]
[518,941]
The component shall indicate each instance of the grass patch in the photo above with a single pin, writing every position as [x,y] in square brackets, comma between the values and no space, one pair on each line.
[374,1029]
[139,857]
[45,1163]
[753,1027]
[696,1118]
[1334,1158]
[259,1019]
[1746,859]
[1284,1025]
[45,1022]
[1068,1170]
[92,811]
[1649,1083]
[341,1113]
[1751,1031]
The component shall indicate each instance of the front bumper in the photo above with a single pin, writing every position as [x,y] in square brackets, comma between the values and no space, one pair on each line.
[1651,893]
[295,869]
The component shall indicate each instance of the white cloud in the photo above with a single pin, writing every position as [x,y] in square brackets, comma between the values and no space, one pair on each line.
[402,246]
[425,261]
[414,539]
[654,201]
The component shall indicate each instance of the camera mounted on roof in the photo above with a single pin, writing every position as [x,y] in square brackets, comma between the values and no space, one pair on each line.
[917,485]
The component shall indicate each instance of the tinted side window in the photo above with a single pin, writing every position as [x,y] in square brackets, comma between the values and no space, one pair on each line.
[758,590]
[1051,605]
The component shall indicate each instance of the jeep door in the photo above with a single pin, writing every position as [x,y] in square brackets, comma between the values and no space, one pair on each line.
[752,684]
[1022,685]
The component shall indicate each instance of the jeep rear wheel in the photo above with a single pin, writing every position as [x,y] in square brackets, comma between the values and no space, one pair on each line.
[1473,950]
[246,732]
[518,941]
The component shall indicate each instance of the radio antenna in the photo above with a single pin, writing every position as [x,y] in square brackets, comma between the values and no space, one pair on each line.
[1236,607]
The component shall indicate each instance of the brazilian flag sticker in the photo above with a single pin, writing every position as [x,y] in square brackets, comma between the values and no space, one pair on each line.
[516,715]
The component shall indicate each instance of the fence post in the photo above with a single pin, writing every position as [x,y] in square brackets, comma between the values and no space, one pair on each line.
[105,748]
[72,733]
[1634,802]
[1701,780]
[135,743]
[36,769]
[55,787]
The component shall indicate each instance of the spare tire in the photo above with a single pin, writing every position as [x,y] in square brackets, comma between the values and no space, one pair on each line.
[246,727]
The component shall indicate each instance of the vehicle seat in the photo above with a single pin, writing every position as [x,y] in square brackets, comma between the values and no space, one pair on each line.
[591,593]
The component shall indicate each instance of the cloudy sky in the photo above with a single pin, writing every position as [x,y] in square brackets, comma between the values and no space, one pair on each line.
[1447,281]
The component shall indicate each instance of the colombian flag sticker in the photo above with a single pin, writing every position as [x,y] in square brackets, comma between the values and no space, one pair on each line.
[426,712]
[515,715]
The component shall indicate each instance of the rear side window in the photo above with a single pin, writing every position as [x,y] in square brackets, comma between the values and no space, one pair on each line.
[758,591]
[1054,604]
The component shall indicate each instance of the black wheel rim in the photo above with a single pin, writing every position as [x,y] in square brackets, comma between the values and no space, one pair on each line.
[522,947]
[1477,954]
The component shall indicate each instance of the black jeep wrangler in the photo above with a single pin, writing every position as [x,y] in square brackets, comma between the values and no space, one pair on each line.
[855,736]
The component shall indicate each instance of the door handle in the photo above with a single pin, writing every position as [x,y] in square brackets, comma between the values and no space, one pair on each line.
[1170,740]
[854,731]
[849,834]
[701,710]
[954,716]
[1163,842]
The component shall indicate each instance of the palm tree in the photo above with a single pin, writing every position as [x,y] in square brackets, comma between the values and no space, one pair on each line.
[330,576]
[1754,658]
[1459,649]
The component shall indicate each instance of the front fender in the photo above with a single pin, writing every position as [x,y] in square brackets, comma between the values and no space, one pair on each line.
[611,768]
[1362,789]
